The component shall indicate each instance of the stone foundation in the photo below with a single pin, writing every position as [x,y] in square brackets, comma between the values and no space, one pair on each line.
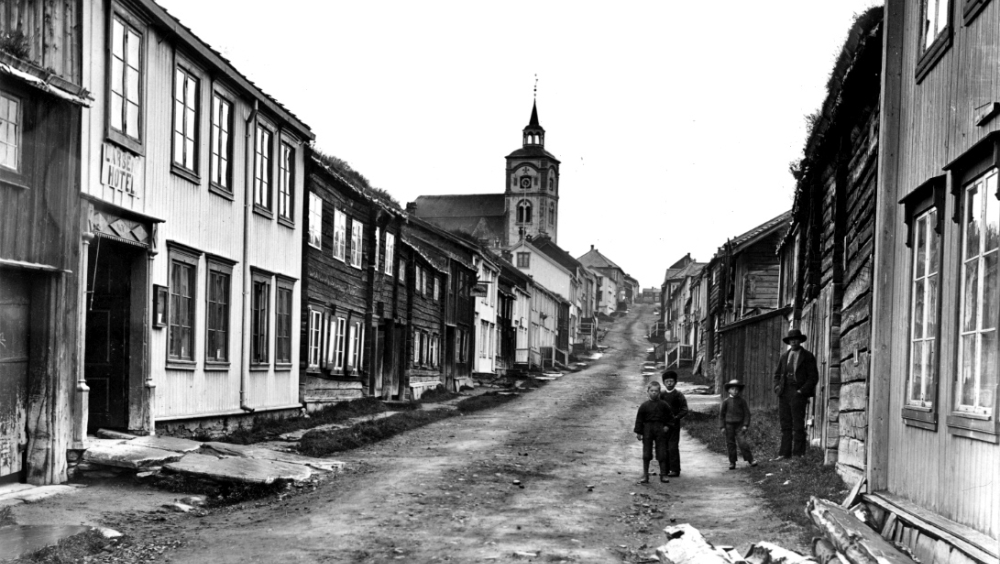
[212,427]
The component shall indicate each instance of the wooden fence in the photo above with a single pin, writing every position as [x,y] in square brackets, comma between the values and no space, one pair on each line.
[750,351]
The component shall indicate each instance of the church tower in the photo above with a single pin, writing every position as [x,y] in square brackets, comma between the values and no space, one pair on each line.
[532,181]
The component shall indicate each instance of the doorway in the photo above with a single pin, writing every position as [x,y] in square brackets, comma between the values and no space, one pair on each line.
[15,310]
[107,339]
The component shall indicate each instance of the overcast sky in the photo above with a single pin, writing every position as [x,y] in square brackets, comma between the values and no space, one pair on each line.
[674,121]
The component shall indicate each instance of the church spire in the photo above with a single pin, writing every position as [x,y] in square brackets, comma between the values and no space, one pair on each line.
[534,134]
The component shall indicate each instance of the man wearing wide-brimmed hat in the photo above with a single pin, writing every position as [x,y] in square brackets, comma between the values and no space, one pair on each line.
[795,381]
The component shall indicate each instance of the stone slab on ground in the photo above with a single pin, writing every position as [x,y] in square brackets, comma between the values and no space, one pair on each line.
[254,451]
[124,454]
[42,492]
[167,443]
[297,435]
[239,469]
[22,540]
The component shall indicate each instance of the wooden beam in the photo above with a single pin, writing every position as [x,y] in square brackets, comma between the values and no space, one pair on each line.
[855,540]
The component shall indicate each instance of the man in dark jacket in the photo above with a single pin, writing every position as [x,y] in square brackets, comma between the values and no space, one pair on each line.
[795,380]
[679,406]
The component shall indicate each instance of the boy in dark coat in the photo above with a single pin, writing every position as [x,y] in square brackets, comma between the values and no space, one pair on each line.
[651,427]
[734,417]
[679,407]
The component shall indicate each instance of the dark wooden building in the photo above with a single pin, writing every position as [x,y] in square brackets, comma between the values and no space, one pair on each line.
[427,275]
[827,253]
[41,102]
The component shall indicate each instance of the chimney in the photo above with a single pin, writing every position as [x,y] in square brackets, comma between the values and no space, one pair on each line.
[592,247]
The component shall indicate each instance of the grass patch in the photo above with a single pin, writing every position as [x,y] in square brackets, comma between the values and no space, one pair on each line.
[324,443]
[72,549]
[7,516]
[437,395]
[806,476]
[265,428]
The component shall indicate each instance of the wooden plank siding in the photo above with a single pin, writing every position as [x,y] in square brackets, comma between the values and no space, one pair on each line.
[53,31]
[926,125]
[425,316]
[750,351]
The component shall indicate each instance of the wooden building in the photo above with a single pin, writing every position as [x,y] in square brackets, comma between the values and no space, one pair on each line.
[613,286]
[348,278]
[682,330]
[545,306]
[826,254]
[193,180]
[934,432]
[745,324]
[42,98]
[425,319]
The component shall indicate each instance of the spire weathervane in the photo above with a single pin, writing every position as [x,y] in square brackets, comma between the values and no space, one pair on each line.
[536,86]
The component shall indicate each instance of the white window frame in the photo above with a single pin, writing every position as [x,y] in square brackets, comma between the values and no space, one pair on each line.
[988,208]
[418,279]
[11,119]
[935,17]
[340,343]
[925,279]
[315,221]
[390,252]
[378,247]
[339,235]
[186,118]
[315,337]
[221,145]
[357,236]
[263,195]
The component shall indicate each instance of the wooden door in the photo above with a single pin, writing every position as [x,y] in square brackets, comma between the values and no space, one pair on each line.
[107,343]
[15,309]
[449,359]
[379,359]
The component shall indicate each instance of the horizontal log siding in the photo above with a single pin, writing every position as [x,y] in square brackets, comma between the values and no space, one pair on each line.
[950,475]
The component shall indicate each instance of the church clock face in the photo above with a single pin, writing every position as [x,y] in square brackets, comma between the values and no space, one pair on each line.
[525,183]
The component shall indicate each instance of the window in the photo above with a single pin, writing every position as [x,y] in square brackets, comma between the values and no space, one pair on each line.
[286,182]
[339,235]
[524,211]
[355,354]
[935,34]
[221,145]
[125,82]
[260,298]
[262,169]
[402,271]
[437,289]
[921,383]
[340,343]
[434,351]
[524,260]
[357,236]
[315,340]
[462,345]
[283,323]
[185,119]
[218,297]
[10,132]
[418,347]
[418,280]
[378,245]
[390,252]
[980,302]
[183,270]
[552,214]
[315,221]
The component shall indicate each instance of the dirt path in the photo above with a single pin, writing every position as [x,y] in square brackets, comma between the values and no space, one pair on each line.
[447,492]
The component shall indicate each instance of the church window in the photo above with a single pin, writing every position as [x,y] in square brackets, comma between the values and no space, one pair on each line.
[552,213]
[524,211]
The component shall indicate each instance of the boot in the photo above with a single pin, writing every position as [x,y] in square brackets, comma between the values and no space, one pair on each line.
[645,472]
[663,473]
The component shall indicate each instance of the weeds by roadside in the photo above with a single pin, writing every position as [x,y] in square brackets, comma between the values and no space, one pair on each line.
[787,484]
[324,443]
[6,516]
[71,549]
[264,428]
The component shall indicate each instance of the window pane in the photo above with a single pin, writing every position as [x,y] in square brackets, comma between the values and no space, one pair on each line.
[930,328]
[992,218]
[942,16]
[133,49]
[132,85]
[933,242]
[930,369]
[117,38]
[972,218]
[967,376]
[988,368]
[991,303]
[117,76]
[918,310]
[132,120]
[920,248]
[970,296]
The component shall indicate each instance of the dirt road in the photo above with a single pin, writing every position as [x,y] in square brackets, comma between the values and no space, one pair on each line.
[447,492]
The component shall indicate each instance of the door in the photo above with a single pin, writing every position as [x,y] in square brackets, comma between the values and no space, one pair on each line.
[106,341]
[449,359]
[379,359]
[15,306]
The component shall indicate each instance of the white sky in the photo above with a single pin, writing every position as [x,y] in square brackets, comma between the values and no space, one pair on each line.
[674,121]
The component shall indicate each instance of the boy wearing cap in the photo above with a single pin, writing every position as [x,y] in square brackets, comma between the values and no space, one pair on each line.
[795,380]
[679,407]
[734,416]
[651,427]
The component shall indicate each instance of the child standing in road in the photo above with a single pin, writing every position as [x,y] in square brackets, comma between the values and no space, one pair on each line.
[651,427]
[734,417]
[679,407]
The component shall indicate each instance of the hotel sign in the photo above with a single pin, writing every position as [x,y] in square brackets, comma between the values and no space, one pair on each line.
[119,169]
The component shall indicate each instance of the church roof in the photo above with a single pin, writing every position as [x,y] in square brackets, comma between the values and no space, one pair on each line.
[532,151]
[483,216]
[533,124]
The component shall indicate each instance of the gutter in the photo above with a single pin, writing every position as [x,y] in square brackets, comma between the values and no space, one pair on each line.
[247,217]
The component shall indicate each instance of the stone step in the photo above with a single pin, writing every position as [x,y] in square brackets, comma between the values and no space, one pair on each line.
[125,454]
[256,452]
[167,443]
[239,469]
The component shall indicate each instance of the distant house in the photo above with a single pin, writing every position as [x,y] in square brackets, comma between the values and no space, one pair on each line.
[682,327]
[427,275]
[745,324]
[615,288]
